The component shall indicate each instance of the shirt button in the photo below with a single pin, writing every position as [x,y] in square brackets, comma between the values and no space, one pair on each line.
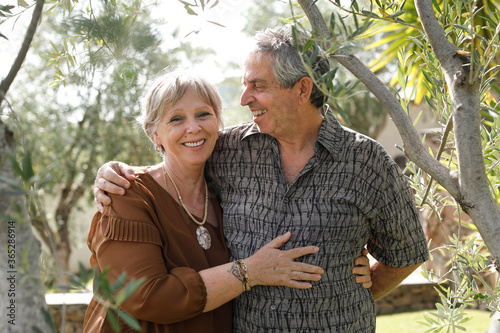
[273,307]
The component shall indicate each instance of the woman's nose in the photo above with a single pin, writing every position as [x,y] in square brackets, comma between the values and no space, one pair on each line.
[193,126]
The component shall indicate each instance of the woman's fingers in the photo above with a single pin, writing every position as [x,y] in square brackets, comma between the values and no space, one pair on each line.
[307,268]
[300,280]
[302,251]
[299,285]
[305,276]
[279,241]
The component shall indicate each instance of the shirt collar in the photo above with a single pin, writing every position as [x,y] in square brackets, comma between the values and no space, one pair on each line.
[328,136]
[252,129]
[329,133]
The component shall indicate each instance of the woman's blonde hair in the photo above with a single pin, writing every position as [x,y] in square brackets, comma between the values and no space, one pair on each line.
[168,89]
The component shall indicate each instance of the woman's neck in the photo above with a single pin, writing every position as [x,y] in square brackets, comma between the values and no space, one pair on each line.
[190,177]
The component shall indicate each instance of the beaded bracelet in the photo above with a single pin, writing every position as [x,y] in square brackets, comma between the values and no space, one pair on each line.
[244,274]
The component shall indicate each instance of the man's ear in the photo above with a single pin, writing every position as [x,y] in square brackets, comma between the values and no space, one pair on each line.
[304,87]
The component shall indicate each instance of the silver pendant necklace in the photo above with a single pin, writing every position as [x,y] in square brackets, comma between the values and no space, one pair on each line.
[202,234]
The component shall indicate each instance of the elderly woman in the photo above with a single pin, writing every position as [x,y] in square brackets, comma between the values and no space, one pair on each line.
[168,226]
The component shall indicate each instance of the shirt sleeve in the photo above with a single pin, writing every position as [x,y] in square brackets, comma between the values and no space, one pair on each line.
[397,238]
[126,239]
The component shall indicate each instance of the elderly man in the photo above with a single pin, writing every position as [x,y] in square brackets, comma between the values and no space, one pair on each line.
[295,168]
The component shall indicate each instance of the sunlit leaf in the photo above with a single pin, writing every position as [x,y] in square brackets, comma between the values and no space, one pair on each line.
[113,320]
[129,320]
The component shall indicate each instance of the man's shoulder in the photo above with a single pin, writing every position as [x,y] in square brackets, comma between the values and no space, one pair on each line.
[232,136]
[236,130]
[353,140]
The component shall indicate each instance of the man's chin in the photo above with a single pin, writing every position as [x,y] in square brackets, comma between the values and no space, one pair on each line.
[259,126]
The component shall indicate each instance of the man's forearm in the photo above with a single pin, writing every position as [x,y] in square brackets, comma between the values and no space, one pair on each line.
[386,278]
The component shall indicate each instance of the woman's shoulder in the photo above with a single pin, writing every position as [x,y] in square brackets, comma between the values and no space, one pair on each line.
[143,186]
[132,217]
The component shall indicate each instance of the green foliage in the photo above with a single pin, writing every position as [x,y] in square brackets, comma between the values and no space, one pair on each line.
[265,14]
[49,320]
[106,54]
[200,7]
[113,295]
[98,35]
[469,266]
[474,28]
[198,4]
[395,25]
[464,285]
[355,106]
[402,322]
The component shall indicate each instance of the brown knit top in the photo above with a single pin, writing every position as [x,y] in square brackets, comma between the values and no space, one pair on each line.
[147,234]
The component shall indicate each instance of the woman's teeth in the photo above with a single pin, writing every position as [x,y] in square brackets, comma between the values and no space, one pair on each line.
[195,144]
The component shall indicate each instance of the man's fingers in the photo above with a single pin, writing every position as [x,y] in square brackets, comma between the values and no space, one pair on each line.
[99,205]
[126,171]
[361,270]
[112,187]
[111,177]
[361,261]
[100,197]
[364,280]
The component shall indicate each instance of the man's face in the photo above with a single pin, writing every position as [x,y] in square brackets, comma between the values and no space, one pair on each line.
[273,107]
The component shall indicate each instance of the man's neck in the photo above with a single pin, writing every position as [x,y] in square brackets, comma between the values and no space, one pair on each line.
[298,148]
[303,135]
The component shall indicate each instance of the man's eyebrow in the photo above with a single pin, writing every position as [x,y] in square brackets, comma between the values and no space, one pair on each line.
[252,81]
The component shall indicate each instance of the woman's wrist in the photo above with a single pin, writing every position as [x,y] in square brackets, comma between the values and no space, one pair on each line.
[243,274]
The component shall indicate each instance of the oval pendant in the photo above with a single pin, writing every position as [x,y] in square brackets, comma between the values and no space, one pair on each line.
[203,237]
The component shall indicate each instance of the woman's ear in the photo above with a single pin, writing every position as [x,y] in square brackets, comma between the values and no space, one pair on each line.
[156,138]
[304,86]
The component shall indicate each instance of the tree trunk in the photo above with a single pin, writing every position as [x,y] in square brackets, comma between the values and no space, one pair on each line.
[469,186]
[23,294]
[474,195]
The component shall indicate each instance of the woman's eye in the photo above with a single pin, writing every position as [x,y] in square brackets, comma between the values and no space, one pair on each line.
[175,119]
[204,114]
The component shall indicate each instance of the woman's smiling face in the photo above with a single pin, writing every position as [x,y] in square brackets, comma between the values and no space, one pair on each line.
[188,130]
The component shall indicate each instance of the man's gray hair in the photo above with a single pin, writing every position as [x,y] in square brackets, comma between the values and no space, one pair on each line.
[287,62]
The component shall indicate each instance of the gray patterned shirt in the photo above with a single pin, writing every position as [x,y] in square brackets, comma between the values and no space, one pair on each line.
[349,194]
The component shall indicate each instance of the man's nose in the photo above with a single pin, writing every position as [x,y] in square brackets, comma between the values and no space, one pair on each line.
[246,97]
